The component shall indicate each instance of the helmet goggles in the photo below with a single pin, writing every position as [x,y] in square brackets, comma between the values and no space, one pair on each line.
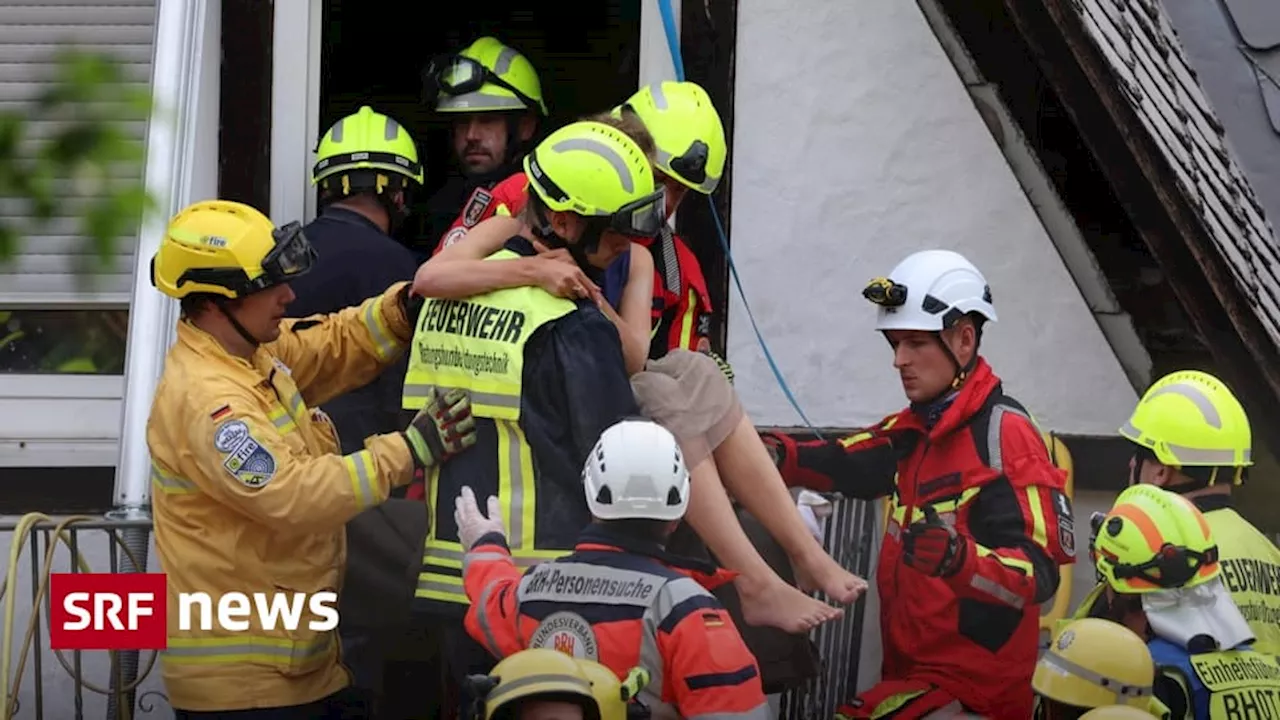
[885,293]
[641,218]
[1171,568]
[458,75]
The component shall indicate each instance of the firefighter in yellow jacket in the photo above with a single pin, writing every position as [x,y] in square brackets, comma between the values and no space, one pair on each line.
[251,494]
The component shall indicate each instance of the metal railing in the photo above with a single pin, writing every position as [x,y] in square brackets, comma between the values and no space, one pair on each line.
[84,683]
[851,536]
[99,683]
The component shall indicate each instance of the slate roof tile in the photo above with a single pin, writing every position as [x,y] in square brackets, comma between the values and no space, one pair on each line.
[1148,62]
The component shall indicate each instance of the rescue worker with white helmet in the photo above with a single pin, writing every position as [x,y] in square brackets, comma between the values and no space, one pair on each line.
[251,492]
[619,598]
[1192,437]
[978,519]
[492,94]
[1093,663]
[1162,578]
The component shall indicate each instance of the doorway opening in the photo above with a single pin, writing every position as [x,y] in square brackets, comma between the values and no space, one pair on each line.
[587,56]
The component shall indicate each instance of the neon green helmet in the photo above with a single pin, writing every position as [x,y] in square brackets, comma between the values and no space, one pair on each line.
[486,77]
[686,130]
[365,151]
[1191,419]
[595,170]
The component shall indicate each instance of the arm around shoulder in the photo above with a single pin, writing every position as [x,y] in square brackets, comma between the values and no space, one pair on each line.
[329,355]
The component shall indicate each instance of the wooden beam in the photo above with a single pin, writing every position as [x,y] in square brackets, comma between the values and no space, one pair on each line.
[244,123]
[708,42]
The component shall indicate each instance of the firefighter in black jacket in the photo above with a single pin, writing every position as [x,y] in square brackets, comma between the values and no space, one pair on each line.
[364,167]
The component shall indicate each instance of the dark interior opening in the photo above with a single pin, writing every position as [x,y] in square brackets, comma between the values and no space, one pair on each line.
[1136,279]
[586,55]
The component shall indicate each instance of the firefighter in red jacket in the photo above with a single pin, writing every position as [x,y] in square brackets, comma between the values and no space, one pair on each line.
[619,599]
[978,521]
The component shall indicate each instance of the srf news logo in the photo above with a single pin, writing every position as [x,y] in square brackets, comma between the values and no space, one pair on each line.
[109,611]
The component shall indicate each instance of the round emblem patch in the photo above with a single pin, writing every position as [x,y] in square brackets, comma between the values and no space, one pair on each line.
[568,633]
[229,435]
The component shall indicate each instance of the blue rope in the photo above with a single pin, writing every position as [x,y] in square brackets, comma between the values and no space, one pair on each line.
[673,44]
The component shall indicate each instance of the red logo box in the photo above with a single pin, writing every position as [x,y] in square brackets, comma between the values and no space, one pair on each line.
[108,611]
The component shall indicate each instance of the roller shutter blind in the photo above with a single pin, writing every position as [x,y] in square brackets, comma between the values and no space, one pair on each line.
[31,31]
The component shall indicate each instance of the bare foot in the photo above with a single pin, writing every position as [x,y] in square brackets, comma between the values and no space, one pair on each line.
[819,571]
[777,604]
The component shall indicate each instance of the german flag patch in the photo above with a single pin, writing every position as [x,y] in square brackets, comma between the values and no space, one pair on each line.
[712,620]
[220,412]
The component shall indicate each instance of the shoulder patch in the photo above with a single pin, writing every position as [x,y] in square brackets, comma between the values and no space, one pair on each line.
[220,412]
[229,434]
[244,458]
[454,236]
[568,633]
[476,206]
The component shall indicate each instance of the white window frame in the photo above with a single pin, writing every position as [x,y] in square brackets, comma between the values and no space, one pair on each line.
[295,95]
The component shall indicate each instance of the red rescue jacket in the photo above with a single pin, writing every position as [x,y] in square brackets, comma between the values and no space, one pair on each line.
[622,606]
[984,467]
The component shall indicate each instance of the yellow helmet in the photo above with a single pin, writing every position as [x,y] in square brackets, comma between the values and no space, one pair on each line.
[1094,662]
[686,130]
[229,249]
[1153,539]
[485,77]
[1191,419]
[538,672]
[1117,712]
[595,170]
[365,151]
[611,694]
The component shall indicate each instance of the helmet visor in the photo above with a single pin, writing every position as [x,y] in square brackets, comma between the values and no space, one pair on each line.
[458,75]
[291,257]
[643,217]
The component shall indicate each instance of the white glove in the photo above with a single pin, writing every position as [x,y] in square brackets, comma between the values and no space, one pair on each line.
[472,524]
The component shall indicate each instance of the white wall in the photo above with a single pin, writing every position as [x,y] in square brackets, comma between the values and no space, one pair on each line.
[855,144]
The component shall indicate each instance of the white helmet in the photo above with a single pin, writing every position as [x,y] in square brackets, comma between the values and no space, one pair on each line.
[636,471]
[930,290]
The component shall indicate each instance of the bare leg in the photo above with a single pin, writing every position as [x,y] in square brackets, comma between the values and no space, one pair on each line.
[750,475]
[766,598]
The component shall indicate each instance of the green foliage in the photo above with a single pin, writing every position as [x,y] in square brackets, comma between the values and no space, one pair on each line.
[90,155]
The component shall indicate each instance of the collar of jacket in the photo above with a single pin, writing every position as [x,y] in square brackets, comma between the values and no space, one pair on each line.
[968,400]
[246,372]
[1209,503]
[599,537]
[341,214]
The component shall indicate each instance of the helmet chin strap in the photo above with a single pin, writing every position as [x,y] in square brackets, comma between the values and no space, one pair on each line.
[221,304]
[932,407]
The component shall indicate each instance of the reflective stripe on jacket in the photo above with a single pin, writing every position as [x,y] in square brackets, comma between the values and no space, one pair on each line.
[621,608]
[251,495]
[546,377]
